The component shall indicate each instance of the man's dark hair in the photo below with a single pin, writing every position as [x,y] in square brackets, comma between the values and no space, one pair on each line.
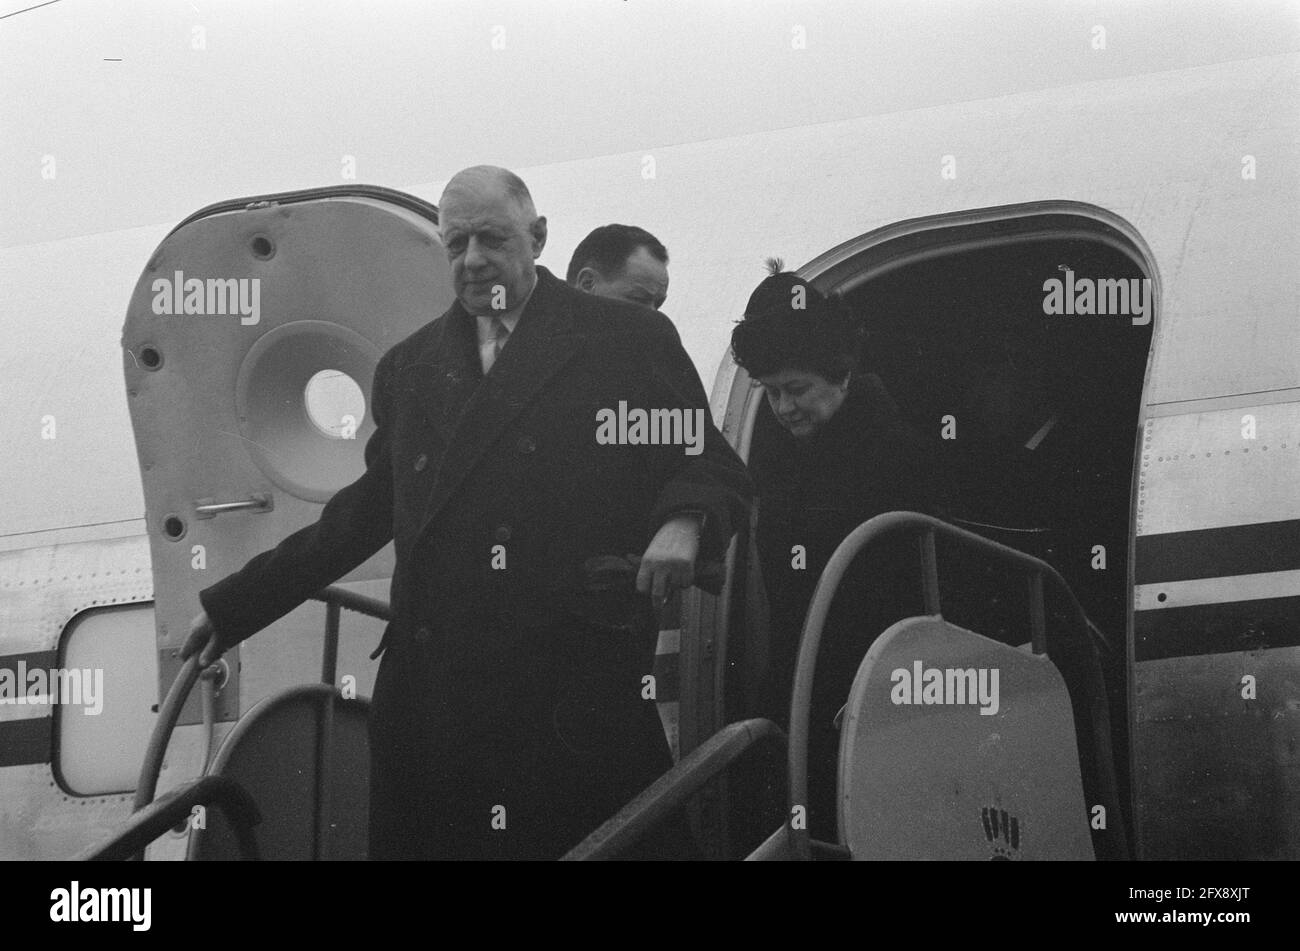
[608,247]
[777,333]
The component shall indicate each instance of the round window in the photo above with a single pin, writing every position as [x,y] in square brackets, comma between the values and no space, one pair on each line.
[335,403]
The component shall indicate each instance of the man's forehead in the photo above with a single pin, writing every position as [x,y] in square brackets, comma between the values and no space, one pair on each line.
[477,219]
[645,270]
[479,201]
[477,204]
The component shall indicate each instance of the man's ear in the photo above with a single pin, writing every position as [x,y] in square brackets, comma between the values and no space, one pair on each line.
[538,232]
[586,280]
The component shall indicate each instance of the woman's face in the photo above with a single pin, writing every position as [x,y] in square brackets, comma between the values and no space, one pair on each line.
[801,400]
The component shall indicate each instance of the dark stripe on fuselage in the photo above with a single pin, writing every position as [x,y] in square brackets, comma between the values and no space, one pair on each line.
[28,740]
[1221,628]
[23,742]
[1218,552]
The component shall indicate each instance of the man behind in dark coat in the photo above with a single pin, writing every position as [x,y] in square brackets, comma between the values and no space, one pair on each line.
[509,717]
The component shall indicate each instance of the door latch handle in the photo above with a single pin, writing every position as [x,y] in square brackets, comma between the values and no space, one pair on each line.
[208,508]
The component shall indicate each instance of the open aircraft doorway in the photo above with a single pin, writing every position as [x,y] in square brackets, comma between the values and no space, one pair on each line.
[1035,415]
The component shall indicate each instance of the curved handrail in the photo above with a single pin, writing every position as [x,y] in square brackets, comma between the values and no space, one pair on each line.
[810,642]
[673,788]
[149,823]
[168,714]
[170,711]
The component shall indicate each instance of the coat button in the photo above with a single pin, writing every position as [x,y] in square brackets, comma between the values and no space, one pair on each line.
[420,462]
[423,635]
[526,444]
[502,534]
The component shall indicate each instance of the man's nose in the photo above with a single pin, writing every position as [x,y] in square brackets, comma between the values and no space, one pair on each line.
[785,404]
[474,257]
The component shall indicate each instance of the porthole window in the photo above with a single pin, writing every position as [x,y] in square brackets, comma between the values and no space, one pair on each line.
[336,405]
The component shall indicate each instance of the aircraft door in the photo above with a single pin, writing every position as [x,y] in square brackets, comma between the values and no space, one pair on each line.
[249,351]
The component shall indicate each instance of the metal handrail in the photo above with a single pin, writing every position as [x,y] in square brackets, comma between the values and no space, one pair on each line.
[170,711]
[671,790]
[168,714]
[810,643]
[149,823]
[361,603]
[336,598]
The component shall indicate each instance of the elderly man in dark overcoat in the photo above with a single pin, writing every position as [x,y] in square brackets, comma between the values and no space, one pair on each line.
[509,715]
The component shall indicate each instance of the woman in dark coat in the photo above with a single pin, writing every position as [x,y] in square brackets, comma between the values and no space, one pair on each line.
[830,451]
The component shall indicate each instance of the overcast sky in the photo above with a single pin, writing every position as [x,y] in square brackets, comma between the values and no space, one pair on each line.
[133,114]
[150,109]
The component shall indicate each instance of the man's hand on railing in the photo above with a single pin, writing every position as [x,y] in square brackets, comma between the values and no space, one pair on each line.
[204,637]
[669,562]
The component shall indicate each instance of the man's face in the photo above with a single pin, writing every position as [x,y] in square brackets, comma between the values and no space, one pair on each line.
[490,246]
[802,401]
[643,280]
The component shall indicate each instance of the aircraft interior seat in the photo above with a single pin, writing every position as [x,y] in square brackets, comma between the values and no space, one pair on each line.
[990,770]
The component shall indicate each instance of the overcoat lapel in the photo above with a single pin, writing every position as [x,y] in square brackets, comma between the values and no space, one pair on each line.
[446,372]
[543,341]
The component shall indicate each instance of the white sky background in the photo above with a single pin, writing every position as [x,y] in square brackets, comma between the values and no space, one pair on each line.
[284,89]
[414,90]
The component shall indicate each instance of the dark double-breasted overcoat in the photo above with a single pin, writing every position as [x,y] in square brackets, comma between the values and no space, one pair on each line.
[508,716]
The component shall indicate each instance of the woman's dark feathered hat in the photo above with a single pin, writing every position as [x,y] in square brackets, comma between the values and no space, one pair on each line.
[776,294]
[788,323]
